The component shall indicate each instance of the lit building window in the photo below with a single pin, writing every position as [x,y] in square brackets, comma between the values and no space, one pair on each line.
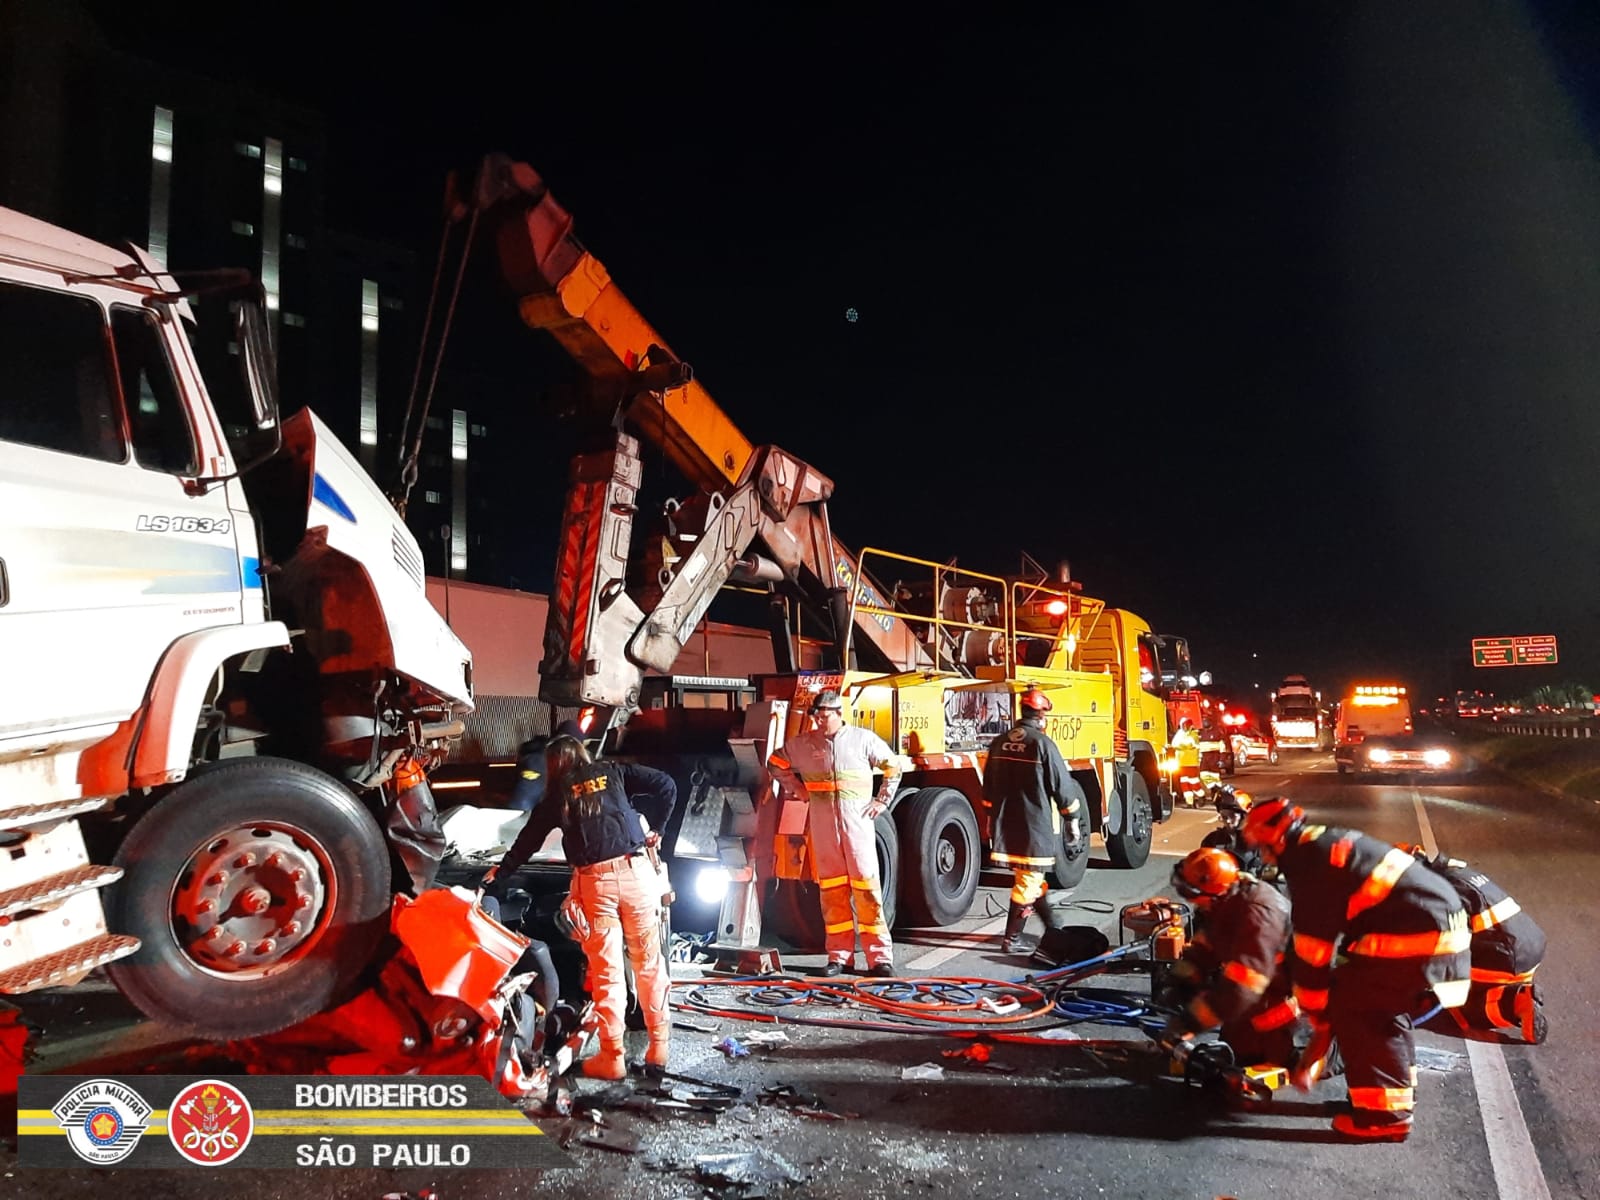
[294,319]
[369,372]
[243,228]
[480,431]
[297,164]
[294,241]
[160,182]
[246,150]
[458,490]
[271,220]
[431,497]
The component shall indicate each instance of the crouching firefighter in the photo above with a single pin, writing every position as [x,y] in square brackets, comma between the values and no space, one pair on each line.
[1507,948]
[616,891]
[1233,970]
[1032,798]
[1403,941]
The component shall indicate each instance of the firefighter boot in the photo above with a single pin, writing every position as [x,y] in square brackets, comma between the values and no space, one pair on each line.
[1016,921]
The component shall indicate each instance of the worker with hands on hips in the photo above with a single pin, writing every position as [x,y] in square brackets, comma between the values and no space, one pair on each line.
[614,885]
[1400,937]
[833,765]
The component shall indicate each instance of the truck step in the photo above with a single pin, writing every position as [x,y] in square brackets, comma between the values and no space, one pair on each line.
[69,965]
[57,887]
[56,810]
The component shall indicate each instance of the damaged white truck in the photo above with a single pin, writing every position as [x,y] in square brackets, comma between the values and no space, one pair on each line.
[221,684]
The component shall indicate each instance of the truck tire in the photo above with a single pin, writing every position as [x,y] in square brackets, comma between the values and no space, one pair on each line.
[267,969]
[1129,846]
[943,856]
[1072,859]
[792,908]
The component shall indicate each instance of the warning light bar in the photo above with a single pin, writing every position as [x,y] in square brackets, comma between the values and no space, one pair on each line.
[1380,691]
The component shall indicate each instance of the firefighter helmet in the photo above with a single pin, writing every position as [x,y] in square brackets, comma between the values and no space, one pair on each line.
[1036,701]
[1210,871]
[1269,822]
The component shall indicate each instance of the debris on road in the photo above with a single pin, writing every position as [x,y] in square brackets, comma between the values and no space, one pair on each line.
[747,1175]
[978,1052]
[767,1038]
[733,1048]
[923,1071]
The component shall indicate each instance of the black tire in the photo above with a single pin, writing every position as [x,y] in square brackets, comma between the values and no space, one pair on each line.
[886,839]
[1272,756]
[1230,764]
[1072,857]
[268,804]
[942,856]
[1341,768]
[1129,846]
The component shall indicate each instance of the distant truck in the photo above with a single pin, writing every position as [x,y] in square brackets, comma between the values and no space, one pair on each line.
[1296,718]
[1367,713]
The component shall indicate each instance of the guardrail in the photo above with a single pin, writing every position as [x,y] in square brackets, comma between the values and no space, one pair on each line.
[1558,727]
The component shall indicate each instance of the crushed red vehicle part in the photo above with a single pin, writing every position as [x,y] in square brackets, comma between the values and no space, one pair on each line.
[14,1051]
[444,1004]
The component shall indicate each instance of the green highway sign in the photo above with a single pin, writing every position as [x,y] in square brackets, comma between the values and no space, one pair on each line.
[1528,650]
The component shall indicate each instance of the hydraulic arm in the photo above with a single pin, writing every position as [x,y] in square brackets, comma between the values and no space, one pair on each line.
[600,638]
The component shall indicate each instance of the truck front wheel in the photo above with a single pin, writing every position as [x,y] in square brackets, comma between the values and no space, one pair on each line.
[1129,846]
[941,856]
[1072,858]
[259,890]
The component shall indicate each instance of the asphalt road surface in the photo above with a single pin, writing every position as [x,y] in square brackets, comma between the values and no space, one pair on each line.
[1492,1121]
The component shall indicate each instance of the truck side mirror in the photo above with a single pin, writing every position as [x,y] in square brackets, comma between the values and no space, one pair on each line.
[259,362]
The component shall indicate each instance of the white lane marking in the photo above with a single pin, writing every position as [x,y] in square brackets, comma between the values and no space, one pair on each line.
[1428,843]
[982,935]
[1517,1173]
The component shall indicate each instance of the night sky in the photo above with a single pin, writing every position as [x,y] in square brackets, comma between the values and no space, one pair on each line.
[1284,329]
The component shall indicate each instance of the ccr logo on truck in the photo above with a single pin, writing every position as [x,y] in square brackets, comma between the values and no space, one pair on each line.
[147,523]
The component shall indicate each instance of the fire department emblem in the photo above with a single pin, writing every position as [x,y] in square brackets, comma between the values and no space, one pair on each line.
[210,1122]
[104,1120]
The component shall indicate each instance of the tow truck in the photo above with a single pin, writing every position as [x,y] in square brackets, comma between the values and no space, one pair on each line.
[933,661]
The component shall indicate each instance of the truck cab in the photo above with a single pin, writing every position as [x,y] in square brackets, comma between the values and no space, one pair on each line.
[217,659]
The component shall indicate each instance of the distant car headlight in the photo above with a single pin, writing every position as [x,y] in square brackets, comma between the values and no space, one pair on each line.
[1378,755]
[1436,758]
[711,884]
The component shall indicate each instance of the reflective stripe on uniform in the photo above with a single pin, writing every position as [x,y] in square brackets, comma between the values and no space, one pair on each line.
[1378,1099]
[1489,918]
[879,929]
[1481,975]
[1311,999]
[1415,945]
[1021,860]
[1313,951]
[1339,852]
[866,885]
[1275,1017]
[1375,888]
[833,881]
[839,927]
[1250,980]
[1452,993]
[1491,1008]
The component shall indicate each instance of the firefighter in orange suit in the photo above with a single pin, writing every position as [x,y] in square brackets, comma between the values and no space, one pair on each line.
[615,887]
[833,765]
[1232,970]
[1402,934]
[1026,782]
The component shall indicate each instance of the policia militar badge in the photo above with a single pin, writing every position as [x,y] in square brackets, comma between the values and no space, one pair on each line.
[260,1121]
